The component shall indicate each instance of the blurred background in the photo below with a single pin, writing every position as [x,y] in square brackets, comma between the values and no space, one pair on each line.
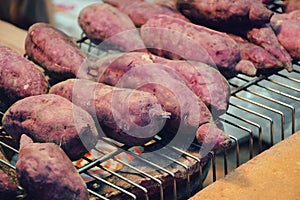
[60,13]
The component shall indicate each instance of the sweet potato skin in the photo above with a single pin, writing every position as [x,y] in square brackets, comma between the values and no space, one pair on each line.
[46,173]
[104,23]
[19,77]
[55,51]
[287,28]
[51,118]
[133,122]
[141,11]
[198,76]
[190,41]
[262,59]
[225,14]
[265,37]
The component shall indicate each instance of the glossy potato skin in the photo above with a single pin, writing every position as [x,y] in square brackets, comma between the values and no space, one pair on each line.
[52,118]
[174,38]
[46,173]
[225,14]
[110,28]
[121,112]
[55,51]
[141,11]
[19,77]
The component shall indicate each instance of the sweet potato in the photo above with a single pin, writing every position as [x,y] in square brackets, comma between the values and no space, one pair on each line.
[141,11]
[55,51]
[172,36]
[266,38]
[46,172]
[19,77]
[149,73]
[133,121]
[262,59]
[287,29]
[291,5]
[206,82]
[104,23]
[225,14]
[52,118]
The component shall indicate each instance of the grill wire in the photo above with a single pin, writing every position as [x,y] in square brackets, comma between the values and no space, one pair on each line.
[262,111]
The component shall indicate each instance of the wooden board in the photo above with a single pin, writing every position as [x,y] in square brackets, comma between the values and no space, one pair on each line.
[12,36]
[273,174]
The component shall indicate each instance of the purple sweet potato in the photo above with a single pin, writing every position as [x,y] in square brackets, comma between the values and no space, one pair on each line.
[262,59]
[147,72]
[52,118]
[205,81]
[55,51]
[266,38]
[172,36]
[141,11]
[129,116]
[291,5]
[46,173]
[104,23]
[19,77]
[287,29]
[225,14]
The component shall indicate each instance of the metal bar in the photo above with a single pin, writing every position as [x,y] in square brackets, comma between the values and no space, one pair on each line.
[284,85]
[292,108]
[182,165]
[149,163]
[214,169]
[267,108]
[289,78]
[262,116]
[9,147]
[111,185]
[288,96]
[147,175]
[247,85]
[225,158]
[253,124]
[101,159]
[97,195]
[127,180]
[237,150]
[245,129]
[7,164]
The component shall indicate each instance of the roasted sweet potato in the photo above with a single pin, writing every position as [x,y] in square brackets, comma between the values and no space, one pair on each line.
[172,37]
[110,27]
[206,82]
[52,118]
[287,29]
[55,51]
[149,73]
[291,5]
[225,14]
[262,59]
[19,77]
[141,11]
[133,121]
[46,173]
[266,38]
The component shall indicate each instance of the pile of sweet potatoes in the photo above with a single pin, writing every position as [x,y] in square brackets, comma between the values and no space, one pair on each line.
[168,79]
